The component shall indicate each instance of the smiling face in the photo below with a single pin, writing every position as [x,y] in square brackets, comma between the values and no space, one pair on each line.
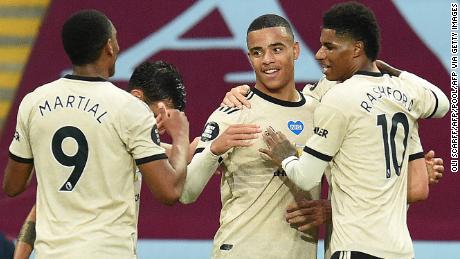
[338,55]
[272,53]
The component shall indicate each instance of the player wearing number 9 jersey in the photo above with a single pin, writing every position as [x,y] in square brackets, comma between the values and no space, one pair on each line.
[85,136]
[363,126]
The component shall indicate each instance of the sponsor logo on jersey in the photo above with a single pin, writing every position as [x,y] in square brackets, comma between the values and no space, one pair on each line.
[211,131]
[155,135]
[295,126]
[280,172]
[320,132]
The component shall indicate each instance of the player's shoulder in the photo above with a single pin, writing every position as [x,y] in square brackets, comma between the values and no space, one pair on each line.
[319,89]
[226,114]
[35,96]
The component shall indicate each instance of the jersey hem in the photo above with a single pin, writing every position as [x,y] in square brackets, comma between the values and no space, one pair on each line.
[416,156]
[20,159]
[317,154]
[144,160]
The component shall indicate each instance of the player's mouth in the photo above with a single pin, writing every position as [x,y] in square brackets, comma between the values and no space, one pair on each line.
[325,68]
[271,72]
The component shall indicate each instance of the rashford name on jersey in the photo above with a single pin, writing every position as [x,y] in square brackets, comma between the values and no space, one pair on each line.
[388,92]
[73,102]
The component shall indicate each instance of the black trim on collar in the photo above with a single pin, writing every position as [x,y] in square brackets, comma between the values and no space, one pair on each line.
[367,73]
[278,101]
[86,78]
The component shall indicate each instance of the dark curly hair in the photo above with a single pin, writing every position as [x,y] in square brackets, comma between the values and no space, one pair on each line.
[356,21]
[159,81]
[84,35]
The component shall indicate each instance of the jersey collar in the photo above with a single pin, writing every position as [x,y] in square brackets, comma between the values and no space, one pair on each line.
[367,73]
[86,78]
[278,101]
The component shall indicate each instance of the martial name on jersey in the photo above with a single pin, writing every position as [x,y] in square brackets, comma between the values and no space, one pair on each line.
[379,92]
[79,102]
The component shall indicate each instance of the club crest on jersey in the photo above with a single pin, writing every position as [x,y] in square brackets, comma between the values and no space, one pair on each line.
[211,131]
[295,126]
[155,135]
[16,136]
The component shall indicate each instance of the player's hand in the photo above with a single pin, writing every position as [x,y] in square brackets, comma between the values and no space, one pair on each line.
[237,97]
[174,122]
[278,145]
[434,166]
[237,135]
[308,214]
[386,68]
[159,118]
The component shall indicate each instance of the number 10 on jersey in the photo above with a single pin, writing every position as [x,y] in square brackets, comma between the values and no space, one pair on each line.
[389,141]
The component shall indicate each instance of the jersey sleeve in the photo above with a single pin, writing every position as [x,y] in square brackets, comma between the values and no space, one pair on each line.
[216,124]
[204,163]
[329,128]
[139,132]
[415,145]
[432,102]
[318,90]
[20,149]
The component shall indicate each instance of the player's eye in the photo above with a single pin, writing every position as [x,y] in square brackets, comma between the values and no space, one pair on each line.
[256,53]
[277,49]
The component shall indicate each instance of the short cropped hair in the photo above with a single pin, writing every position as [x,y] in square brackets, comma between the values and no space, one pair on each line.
[269,21]
[357,21]
[84,35]
[159,81]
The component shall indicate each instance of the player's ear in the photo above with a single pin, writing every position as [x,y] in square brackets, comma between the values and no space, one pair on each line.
[109,47]
[138,93]
[358,49]
[296,48]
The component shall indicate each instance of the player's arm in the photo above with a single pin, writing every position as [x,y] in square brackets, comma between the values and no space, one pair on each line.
[417,181]
[206,160]
[165,178]
[281,151]
[26,238]
[417,174]
[191,150]
[18,173]
[442,102]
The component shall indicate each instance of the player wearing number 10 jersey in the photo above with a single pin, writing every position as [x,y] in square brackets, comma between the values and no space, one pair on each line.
[363,126]
[85,136]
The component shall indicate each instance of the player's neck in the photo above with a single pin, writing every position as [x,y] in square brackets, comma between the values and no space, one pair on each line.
[286,93]
[369,66]
[91,70]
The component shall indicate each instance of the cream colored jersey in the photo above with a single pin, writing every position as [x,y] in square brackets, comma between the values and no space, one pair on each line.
[317,92]
[85,137]
[363,125]
[254,192]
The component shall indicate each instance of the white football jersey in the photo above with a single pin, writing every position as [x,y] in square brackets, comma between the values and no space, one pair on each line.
[254,191]
[85,136]
[364,125]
